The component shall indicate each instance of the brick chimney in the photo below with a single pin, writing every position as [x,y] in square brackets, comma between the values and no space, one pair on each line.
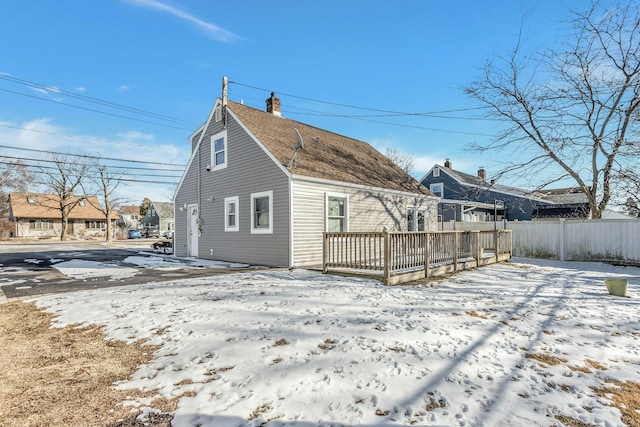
[482,174]
[447,163]
[273,105]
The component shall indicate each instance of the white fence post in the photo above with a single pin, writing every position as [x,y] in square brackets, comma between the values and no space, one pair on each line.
[563,238]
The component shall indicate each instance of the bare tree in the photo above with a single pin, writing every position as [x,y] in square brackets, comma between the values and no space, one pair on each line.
[13,177]
[405,161]
[106,181]
[572,110]
[144,206]
[63,179]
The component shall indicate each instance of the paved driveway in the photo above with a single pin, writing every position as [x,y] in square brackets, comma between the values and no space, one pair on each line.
[27,269]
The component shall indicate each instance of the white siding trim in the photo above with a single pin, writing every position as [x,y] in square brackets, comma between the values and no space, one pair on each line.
[227,201]
[291,225]
[219,135]
[254,196]
[326,209]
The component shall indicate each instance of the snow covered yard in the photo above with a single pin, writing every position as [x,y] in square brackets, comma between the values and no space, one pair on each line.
[516,344]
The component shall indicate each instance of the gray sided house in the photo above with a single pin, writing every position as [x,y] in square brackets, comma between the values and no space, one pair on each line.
[159,214]
[469,198]
[261,189]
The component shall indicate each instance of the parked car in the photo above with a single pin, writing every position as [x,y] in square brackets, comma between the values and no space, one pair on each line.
[168,234]
[150,231]
[134,233]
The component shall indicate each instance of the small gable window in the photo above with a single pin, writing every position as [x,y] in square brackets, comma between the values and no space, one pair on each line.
[82,203]
[219,151]
[231,214]
[31,200]
[262,213]
[436,172]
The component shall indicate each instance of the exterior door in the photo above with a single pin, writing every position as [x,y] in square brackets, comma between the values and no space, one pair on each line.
[192,231]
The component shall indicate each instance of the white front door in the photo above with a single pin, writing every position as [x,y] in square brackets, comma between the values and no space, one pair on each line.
[192,231]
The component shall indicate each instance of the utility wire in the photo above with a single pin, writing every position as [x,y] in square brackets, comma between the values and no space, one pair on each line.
[56,90]
[358,107]
[120,179]
[93,110]
[91,157]
[117,168]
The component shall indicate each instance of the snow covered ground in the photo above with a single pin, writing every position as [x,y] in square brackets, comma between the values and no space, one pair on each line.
[302,349]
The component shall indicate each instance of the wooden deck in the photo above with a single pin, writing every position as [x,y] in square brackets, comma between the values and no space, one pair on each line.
[406,256]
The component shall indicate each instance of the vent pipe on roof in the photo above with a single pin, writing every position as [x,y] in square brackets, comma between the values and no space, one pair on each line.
[273,105]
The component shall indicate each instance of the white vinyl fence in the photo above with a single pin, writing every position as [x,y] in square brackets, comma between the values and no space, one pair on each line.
[571,240]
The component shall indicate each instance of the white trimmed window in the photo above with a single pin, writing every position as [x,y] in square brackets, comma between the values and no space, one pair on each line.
[337,208]
[231,214]
[40,224]
[219,151]
[436,172]
[95,225]
[437,189]
[262,212]
[416,219]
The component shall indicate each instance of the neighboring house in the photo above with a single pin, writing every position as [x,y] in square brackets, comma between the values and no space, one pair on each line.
[562,210]
[129,217]
[467,197]
[255,192]
[159,214]
[563,195]
[38,216]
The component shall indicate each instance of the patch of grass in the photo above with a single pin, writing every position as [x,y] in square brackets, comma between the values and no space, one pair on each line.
[65,376]
[328,344]
[572,422]
[626,397]
[259,411]
[474,314]
[546,358]
[281,342]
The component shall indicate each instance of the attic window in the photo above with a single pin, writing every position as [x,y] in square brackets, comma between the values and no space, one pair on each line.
[82,203]
[436,172]
[219,151]
[217,114]
[31,200]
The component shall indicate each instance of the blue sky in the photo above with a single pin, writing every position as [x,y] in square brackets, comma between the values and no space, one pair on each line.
[166,60]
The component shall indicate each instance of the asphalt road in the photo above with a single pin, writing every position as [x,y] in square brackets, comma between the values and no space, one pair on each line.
[30,264]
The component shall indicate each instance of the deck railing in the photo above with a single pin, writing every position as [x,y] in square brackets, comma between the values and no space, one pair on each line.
[403,256]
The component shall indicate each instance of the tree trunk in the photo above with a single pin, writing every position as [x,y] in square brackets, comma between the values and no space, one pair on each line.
[65,224]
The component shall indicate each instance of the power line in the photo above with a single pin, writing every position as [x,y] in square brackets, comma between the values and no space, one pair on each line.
[118,168]
[91,157]
[56,90]
[399,124]
[93,110]
[120,179]
[400,113]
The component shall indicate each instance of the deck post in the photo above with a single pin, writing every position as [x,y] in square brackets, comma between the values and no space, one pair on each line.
[497,245]
[456,238]
[325,252]
[475,245]
[387,255]
[427,238]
